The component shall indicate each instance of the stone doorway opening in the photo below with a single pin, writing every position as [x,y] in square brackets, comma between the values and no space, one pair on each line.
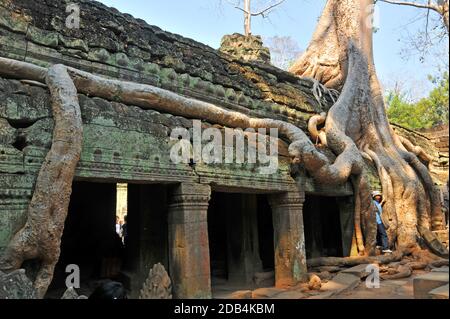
[240,232]
[147,212]
[328,226]
[89,241]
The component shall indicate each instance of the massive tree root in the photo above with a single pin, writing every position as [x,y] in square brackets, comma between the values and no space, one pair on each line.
[40,238]
[345,31]
[359,260]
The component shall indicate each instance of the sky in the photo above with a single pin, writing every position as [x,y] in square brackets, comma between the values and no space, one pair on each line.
[207,21]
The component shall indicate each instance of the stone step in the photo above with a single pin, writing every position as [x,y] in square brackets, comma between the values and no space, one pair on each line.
[359,271]
[425,283]
[441,269]
[439,293]
[242,294]
[291,295]
[341,282]
[266,293]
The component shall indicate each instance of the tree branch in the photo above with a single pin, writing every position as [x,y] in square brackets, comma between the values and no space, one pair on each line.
[262,12]
[413,4]
[236,6]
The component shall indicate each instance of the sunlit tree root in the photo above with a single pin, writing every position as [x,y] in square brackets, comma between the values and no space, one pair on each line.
[411,199]
[413,257]
[416,150]
[316,134]
[360,260]
[40,238]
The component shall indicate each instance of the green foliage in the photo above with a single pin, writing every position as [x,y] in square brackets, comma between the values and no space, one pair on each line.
[427,112]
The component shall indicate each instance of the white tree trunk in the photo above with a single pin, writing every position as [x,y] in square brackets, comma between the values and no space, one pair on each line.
[247,17]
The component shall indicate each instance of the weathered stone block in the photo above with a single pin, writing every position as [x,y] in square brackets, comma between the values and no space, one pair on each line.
[359,271]
[341,283]
[264,293]
[425,283]
[444,269]
[440,293]
[291,295]
[247,48]
[39,36]
[16,285]
[242,294]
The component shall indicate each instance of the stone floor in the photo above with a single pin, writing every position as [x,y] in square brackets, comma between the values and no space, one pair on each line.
[342,286]
[389,289]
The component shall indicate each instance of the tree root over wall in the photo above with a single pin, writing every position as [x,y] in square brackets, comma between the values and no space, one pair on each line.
[40,238]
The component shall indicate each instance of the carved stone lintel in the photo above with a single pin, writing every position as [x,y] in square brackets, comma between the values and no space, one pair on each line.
[291,200]
[189,197]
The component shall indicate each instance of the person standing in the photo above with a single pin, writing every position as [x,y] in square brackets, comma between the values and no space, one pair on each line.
[382,237]
[125,231]
[118,226]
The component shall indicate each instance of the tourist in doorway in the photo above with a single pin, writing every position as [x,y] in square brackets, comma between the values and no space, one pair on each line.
[382,237]
[125,231]
[118,226]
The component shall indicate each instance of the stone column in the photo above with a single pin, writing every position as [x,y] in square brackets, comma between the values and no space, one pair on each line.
[188,241]
[289,239]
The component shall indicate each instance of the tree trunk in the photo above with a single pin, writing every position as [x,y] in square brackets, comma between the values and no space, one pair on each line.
[445,14]
[344,31]
[247,18]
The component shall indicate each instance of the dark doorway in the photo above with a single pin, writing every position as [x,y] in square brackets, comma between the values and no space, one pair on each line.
[322,224]
[265,232]
[240,234]
[147,242]
[89,239]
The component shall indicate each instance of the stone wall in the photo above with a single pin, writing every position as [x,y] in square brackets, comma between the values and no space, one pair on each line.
[120,143]
[117,45]
[435,143]
[439,136]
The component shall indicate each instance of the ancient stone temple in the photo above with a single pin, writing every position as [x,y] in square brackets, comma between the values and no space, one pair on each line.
[201,221]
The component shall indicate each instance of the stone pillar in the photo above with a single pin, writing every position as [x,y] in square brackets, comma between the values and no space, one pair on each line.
[188,241]
[289,239]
